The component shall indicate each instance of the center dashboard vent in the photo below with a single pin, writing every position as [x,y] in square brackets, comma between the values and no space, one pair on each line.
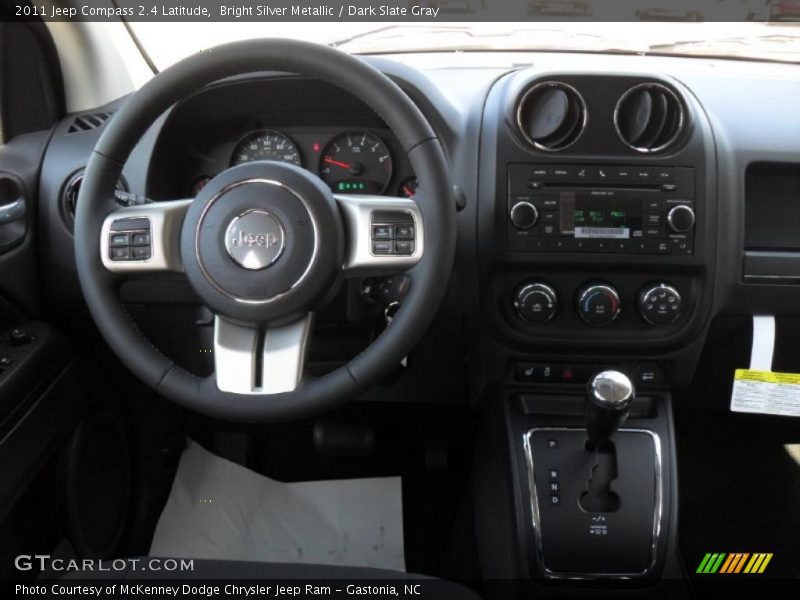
[88,122]
[649,117]
[551,115]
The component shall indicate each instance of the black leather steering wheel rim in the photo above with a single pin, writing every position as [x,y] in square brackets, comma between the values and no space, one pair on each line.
[429,277]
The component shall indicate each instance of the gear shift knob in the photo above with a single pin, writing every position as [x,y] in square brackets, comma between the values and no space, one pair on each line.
[608,402]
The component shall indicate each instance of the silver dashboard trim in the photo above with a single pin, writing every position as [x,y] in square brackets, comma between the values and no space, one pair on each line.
[166,220]
[282,360]
[524,98]
[681,117]
[658,513]
[357,212]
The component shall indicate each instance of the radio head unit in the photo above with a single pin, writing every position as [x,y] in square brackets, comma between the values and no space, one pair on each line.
[615,209]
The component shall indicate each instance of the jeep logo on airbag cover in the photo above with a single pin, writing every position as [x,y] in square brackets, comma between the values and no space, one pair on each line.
[255,239]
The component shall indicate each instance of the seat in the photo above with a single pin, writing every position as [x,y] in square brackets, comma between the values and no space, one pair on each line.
[212,570]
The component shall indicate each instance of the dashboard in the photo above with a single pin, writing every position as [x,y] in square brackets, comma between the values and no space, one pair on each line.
[613,205]
[326,132]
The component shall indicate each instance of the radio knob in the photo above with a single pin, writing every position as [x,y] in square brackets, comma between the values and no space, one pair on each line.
[660,304]
[524,215]
[536,302]
[598,304]
[680,218]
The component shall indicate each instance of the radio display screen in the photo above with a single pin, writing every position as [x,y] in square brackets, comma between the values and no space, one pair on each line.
[600,217]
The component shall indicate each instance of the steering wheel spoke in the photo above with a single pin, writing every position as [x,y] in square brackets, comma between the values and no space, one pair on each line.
[143,238]
[257,360]
[384,235]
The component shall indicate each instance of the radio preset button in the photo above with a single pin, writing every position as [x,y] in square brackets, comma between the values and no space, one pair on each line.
[562,172]
[664,175]
[623,173]
[654,219]
[549,216]
[654,205]
[549,230]
[550,203]
[660,246]
[681,245]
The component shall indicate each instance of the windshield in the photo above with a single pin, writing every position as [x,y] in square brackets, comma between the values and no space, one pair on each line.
[169,42]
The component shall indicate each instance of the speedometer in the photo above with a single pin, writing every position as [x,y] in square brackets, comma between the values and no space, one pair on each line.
[266,144]
[356,162]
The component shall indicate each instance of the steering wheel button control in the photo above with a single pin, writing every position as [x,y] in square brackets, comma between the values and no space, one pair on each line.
[382,232]
[140,252]
[120,253]
[404,247]
[404,232]
[119,240]
[382,247]
[393,233]
[129,240]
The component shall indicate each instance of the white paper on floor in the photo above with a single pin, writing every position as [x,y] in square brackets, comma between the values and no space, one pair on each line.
[220,510]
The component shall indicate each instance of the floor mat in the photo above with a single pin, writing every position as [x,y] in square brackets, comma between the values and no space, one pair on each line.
[220,510]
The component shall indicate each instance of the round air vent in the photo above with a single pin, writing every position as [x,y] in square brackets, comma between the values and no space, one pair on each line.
[69,197]
[649,117]
[551,115]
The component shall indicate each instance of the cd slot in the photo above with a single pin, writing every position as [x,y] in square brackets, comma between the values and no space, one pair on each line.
[635,187]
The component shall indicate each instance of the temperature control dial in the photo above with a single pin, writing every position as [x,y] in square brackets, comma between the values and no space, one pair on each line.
[536,302]
[524,215]
[598,303]
[660,304]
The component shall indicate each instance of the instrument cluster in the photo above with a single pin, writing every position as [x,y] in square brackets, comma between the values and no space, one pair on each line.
[349,161]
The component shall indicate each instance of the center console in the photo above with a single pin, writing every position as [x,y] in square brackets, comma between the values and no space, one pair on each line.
[597,249]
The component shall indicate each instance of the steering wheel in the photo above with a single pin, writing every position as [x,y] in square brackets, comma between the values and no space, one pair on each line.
[265,245]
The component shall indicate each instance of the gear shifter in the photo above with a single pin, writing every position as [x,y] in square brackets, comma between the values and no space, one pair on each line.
[608,402]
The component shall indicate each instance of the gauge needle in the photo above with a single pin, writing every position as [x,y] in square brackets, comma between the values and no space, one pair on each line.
[337,163]
[408,191]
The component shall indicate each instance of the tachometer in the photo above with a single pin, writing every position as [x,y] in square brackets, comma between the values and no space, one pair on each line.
[266,144]
[356,162]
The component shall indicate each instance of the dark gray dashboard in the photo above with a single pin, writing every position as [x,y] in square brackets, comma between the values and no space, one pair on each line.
[739,113]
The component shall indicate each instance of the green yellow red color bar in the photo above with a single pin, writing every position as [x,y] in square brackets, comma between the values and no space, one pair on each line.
[736,562]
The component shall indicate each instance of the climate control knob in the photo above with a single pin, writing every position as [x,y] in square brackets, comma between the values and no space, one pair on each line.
[524,215]
[680,218]
[660,304]
[598,303]
[536,302]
